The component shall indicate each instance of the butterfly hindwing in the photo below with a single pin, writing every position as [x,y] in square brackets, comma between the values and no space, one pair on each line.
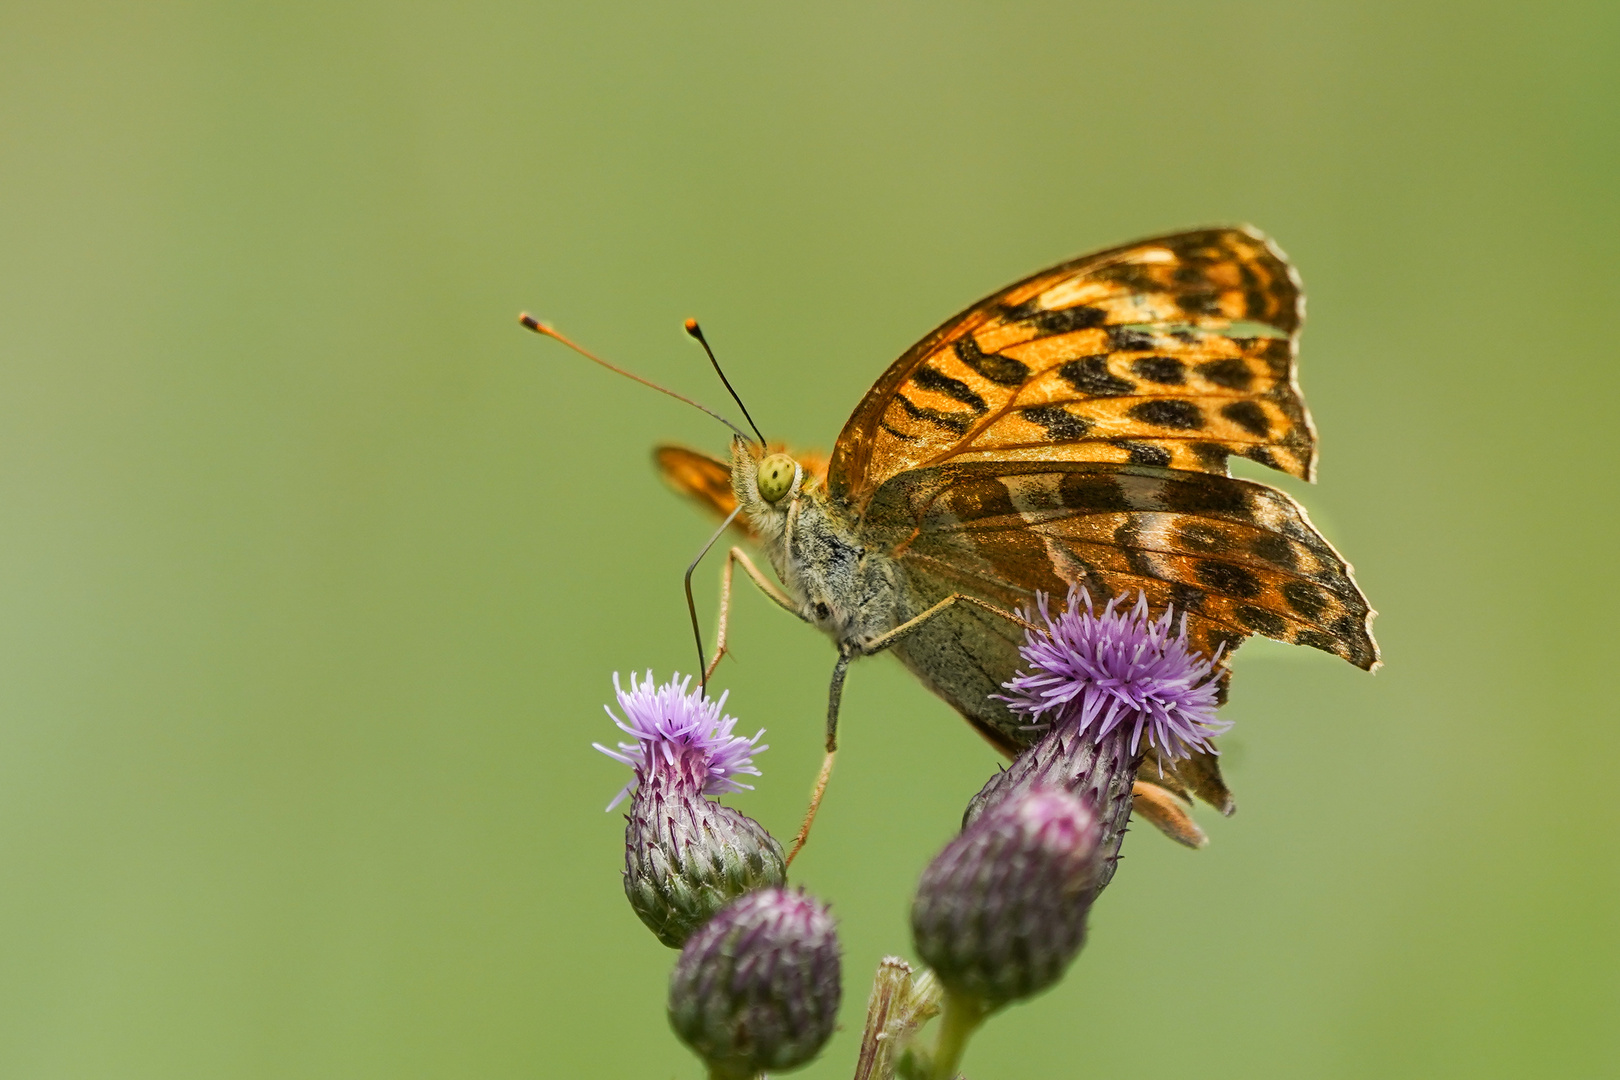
[1238,558]
[1173,352]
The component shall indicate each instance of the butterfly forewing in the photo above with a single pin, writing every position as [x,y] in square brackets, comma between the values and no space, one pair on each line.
[1174,352]
[702,478]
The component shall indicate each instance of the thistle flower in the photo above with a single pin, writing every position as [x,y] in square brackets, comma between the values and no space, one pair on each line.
[758,987]
[1001,911]
[669,723]
[1118,669]
[686,856]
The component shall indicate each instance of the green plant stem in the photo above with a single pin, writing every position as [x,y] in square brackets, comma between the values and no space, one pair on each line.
[960,1019]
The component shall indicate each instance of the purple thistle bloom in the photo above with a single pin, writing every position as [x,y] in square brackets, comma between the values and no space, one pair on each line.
[1116,668]
[685,855]
[674,726]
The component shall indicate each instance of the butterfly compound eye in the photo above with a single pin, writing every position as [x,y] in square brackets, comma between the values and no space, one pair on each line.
[775,477]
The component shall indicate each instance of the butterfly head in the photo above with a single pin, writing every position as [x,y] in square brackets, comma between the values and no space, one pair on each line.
[766,485]
[776,476]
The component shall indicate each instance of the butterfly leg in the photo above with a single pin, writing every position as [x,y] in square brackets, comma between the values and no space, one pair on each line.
[835,696]
[915,623]
[766,586]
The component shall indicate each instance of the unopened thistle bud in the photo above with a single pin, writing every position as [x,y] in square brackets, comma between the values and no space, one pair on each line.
[686,856]
[1100,773]
[1001,912]
[757,988]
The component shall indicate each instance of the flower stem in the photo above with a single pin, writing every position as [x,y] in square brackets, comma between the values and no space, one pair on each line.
[961,1018]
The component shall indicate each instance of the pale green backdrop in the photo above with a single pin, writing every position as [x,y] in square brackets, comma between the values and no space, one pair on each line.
[314,567]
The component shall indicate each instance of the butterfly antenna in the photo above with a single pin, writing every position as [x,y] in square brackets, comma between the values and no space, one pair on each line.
[547,330]
[696,331]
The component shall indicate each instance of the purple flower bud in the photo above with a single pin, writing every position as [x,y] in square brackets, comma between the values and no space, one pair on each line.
[758,987]
[686,856]
[1099,772]
[1001,912]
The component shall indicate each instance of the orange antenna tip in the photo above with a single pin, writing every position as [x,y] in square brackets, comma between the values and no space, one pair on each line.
[692,327]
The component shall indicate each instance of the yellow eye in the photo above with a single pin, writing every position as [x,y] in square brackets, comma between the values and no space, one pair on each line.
[775,477]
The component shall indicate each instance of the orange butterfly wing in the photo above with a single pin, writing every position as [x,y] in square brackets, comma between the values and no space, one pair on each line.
[705,480]
[1174,352]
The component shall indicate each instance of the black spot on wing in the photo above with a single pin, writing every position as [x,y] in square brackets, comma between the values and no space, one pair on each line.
[1144,453]
[1257,305]
[1346,627]
[1249,416]
[1131,275]
[1262,621]
[956,425]
[1124,339]
[1212,456]
[1275,550]
[1001,370]
[978,500]
[1061,425]
[1097,492]
[1202,302]
[1169,413]
[1204,494]
[1165,370]
[930,379]
[1231,373]
[1186,597]
[1305,598]
[1066,320]
[1278,354]
[1229,579]
[1090,375]
[1263,456]
[1197,536]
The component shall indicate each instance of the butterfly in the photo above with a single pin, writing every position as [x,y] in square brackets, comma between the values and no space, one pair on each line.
[1072,428]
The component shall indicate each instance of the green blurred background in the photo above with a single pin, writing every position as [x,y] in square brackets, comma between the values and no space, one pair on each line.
[314,567]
